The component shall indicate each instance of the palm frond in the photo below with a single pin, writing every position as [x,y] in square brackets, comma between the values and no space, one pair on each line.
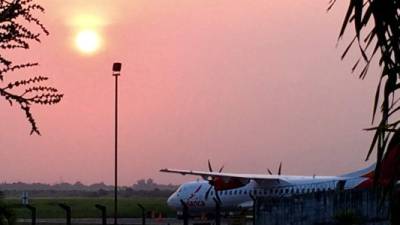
[377,30]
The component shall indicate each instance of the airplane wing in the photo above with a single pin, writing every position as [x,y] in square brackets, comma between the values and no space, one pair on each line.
[261,179]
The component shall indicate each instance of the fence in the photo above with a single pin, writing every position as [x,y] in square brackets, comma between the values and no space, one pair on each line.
[321,208]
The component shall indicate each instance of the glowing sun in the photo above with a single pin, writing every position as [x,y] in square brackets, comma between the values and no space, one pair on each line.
[88,41]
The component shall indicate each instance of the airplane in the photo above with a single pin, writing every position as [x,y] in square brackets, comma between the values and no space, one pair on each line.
[236,191]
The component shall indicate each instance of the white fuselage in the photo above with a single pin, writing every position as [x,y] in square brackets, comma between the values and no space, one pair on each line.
[193,194]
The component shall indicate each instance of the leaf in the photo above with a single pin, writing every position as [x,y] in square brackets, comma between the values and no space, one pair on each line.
[372,146]
[367,15]
[348,48]
[347,18]
[358,7]
[355,66]
[378,91]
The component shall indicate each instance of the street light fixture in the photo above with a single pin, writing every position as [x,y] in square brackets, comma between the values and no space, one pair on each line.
[116,69]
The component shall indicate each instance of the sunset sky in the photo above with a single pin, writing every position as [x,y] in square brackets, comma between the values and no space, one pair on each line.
[246,84]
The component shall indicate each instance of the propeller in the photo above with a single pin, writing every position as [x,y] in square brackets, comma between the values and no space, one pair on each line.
[279,170]
[211,182]
[217,195]
[210,167]
[215,191]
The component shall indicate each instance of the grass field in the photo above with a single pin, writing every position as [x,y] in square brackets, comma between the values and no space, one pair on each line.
[84,207]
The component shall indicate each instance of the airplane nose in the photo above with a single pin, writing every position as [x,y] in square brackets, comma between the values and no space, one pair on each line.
[170,201]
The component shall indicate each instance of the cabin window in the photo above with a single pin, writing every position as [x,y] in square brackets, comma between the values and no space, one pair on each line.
[235,192]
[230,192]
[245,192]
[240,192]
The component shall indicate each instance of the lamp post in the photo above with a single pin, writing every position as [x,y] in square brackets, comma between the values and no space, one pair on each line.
[116,72]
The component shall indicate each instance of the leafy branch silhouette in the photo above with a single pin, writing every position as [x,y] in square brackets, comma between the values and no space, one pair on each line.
[377,34]
[14,34]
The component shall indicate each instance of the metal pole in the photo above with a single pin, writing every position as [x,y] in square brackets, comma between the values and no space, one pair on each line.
[395,204]
[33,214]
[254,207]
[143,213]
[116,154]
[103,210]
[217,212]
[185,210]
[116,73]
[67,210]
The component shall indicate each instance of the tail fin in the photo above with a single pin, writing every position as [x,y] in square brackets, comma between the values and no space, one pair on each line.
[366,172]
[389,168]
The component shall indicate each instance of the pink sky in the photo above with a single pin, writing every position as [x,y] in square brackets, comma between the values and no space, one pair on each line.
[246,84]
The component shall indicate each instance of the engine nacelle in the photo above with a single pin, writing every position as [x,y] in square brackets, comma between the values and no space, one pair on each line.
[221,184]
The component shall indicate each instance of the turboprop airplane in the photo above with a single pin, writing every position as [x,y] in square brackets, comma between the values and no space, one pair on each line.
[235,191]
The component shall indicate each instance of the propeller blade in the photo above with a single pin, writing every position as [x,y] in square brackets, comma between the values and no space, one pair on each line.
[220,169]
[217,195]
[269,171]
[209,166]
[208,192]
[280,169]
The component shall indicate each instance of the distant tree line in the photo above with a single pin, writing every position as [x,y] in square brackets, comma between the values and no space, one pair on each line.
[140,185]
[126,193]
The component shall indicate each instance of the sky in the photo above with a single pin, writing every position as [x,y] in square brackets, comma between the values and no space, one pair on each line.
[246,84]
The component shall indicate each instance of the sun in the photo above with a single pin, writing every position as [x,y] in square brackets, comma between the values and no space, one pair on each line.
[88,41]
